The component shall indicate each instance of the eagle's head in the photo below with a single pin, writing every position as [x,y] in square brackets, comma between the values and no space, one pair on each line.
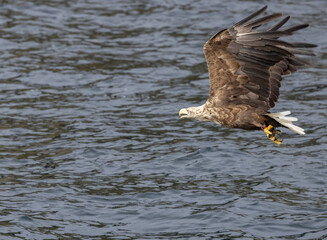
[185,113]
[197,113]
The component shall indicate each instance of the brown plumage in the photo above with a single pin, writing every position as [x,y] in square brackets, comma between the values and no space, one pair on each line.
[245,70]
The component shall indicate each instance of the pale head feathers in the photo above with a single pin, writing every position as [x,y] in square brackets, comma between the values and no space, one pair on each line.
[198,113]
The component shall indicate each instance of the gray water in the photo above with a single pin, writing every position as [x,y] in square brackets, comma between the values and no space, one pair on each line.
[92,146]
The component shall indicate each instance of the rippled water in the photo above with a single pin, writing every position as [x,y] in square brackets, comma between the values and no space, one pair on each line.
[92,146]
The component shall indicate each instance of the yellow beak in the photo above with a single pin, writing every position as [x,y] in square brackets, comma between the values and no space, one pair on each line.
[183,113]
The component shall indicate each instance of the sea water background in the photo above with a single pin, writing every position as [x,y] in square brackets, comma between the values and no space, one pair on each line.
[92,146]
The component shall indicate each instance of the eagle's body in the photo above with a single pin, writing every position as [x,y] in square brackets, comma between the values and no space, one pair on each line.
[245,70]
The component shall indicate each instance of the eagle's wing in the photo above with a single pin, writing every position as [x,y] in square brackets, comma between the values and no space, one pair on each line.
[246,66]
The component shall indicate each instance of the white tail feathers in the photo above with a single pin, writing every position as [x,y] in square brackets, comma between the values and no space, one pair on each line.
[286,121]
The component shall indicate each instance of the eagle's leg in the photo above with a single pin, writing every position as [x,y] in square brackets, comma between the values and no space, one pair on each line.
[271,134]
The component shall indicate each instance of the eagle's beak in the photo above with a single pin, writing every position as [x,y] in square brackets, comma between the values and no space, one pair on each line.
[183,113]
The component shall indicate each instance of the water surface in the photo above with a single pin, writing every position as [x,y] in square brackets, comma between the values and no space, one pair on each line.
[92,146]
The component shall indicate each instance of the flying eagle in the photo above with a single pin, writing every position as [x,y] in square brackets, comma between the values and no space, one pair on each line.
[245,70]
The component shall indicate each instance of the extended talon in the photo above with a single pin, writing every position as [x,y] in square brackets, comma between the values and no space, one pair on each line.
[267,130]
[271,134]
[278,141]
[275,140]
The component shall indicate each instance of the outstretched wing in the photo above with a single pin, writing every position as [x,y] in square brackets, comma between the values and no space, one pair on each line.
[246,66]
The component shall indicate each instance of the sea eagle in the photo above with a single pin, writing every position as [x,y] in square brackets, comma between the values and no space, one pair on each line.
[245,69]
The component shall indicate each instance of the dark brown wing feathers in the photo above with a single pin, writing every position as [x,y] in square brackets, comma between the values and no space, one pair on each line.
[246,65]
[279,25]
[253,15]
[260,21]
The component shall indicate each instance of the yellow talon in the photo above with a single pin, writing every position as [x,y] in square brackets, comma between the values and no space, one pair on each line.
[275,140]
[271,134]
[278,141]
[267,130]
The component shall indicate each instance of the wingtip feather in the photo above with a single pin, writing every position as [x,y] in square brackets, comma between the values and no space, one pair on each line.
[253,15]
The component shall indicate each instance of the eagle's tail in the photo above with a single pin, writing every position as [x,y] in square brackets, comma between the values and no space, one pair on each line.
[286,121]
